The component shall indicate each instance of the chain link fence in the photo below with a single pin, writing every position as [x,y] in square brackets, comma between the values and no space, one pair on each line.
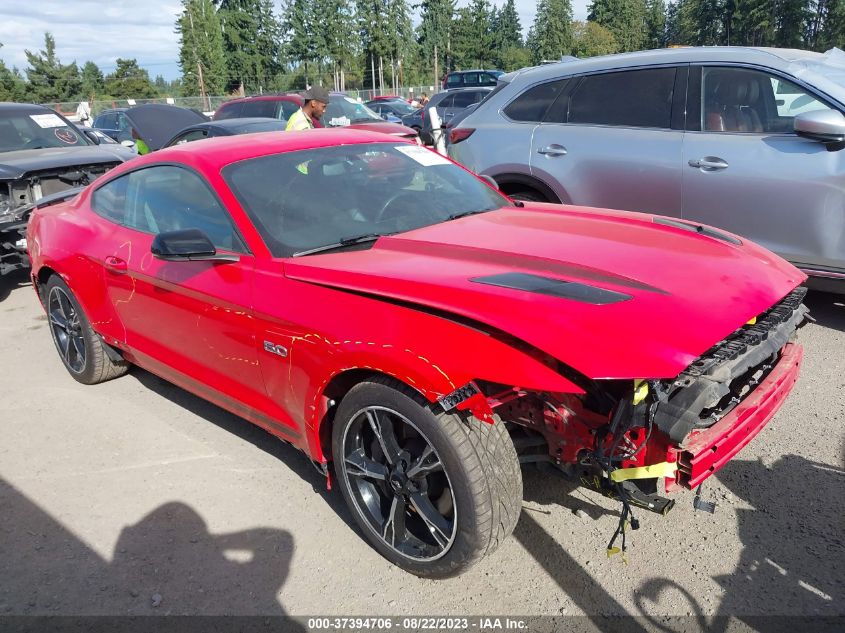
[209,104]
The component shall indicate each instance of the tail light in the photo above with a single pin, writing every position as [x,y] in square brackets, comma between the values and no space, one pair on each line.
[458,134]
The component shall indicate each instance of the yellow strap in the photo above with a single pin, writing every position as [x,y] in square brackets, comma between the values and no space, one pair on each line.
[640,391]
[752,321]
[663,469]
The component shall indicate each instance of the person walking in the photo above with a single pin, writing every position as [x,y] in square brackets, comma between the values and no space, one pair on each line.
[316,99]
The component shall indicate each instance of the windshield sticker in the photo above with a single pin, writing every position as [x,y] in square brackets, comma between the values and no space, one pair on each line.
[47,120]
[423,156]
[66,136]
[340,121]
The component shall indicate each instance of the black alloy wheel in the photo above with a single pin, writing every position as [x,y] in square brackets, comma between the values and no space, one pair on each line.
[398,483]
[433,492]
[67,330]
[83,352]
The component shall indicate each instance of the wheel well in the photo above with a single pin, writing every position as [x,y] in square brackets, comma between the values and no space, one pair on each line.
[336,390]
[514,183]
[44,274]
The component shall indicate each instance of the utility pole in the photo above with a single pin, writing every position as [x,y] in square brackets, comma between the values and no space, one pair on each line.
[435,66]
[205,102]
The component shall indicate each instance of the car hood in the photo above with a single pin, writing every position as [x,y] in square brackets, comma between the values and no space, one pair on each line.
[14,165]
[157,123]
[681,291]
[385,127]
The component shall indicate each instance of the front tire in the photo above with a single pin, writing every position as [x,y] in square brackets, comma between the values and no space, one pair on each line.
[433,492]
[82,351]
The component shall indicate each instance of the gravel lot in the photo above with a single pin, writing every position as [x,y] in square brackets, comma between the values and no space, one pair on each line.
[113,495]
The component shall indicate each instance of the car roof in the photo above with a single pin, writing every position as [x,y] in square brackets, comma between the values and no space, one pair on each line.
[773,57]
[7,106]
[214,154]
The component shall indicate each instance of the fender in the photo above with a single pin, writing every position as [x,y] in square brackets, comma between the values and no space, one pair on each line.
[512,182]
[431,353]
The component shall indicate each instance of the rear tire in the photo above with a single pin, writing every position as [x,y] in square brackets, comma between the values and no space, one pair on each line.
[433,492]
[82,351]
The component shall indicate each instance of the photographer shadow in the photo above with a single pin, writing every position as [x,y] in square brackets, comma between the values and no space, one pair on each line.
[168,563]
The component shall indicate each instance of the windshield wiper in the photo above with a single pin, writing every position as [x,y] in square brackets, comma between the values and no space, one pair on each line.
[463,214]
[344,241]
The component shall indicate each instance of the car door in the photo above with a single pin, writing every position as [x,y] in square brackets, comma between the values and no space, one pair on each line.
[745,170]
[614,140]
[188,321]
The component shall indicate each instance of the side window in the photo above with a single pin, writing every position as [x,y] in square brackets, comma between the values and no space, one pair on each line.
[263,108]
[633,98]
[533,104]
[232,111]
[167,198]
[107,121]
[453,81]
[743,100]
[471,79]
[446,102]
[463,99]
[194,135]
[109,200]
[288,109]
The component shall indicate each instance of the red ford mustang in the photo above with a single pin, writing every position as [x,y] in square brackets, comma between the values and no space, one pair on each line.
[389,313]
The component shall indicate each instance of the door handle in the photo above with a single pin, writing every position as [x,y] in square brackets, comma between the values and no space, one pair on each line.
[552,150]
[709,163]
[115,265]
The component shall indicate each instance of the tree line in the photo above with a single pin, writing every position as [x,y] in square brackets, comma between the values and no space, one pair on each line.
[228,46]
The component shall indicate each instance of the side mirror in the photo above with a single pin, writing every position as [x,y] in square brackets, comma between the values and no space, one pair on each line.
[825,126]
[187,245]
[91,135]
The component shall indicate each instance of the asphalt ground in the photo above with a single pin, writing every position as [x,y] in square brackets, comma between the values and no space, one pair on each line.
[135,497]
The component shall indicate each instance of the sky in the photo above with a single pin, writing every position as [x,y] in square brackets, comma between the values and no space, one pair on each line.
[104,30]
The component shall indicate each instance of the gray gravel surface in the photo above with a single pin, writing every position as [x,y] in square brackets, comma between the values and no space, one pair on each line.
[135,497]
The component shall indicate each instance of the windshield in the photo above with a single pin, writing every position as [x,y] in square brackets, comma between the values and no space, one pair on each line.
[305,200]
[343,111]
[36,129]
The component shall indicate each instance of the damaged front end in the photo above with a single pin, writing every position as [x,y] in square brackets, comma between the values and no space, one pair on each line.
[18,197]
[622,437]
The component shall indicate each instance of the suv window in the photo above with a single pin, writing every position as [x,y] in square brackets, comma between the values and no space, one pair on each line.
[107,121]
[229,111]
[167,198]
[263,108]
[533,104]
[470,79]
[743,100]
[634,98]
[453,81]
[464,99]
[445,102]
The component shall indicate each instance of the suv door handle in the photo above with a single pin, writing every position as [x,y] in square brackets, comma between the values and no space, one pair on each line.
[709,163]
[552,150]
[115,265]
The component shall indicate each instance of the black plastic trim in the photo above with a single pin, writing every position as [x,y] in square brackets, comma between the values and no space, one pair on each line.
[573,290]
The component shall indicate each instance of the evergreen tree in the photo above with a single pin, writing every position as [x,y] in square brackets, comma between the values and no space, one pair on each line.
[297,26]
[472,43]
[506,27]
[92,79]
[590,39]
[655,24]
[435,33]
[625,19]
[791,22]
[201,47]
[130,81]
[49,79]
[12,85]
[251,35]
[551,35]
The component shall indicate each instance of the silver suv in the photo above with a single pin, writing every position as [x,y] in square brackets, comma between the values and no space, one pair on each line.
[741,138]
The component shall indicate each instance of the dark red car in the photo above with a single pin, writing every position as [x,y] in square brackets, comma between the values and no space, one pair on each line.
[388,312]
[342,111]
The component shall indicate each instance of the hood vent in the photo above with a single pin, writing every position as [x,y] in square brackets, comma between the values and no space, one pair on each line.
[553,287]
[698,228]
